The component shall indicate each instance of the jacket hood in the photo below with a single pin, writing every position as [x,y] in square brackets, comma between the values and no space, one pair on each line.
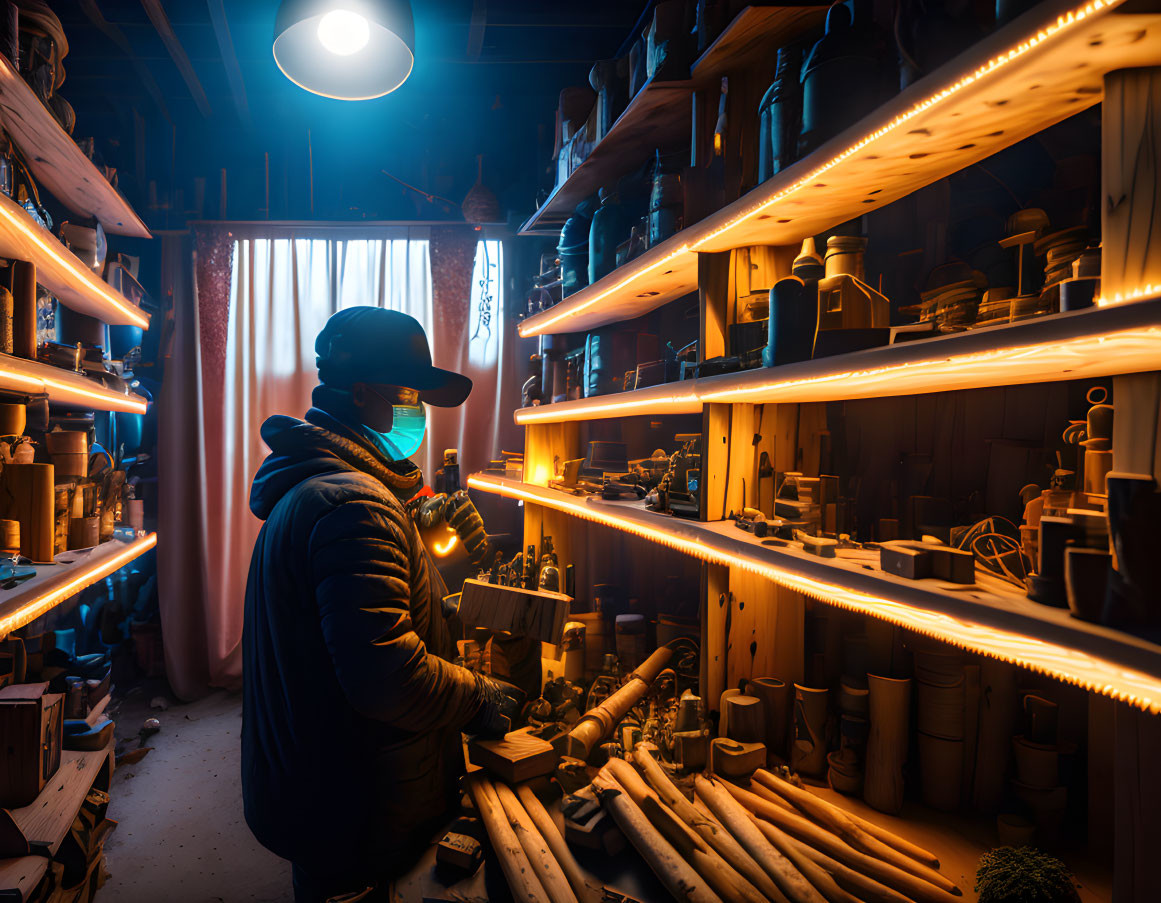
[321,444]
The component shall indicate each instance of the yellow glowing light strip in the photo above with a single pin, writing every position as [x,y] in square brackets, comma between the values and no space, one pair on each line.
[1071,665]
[1062,24]
[619,407]
[1135,294]
[31,610]
[68,393]
[91,284]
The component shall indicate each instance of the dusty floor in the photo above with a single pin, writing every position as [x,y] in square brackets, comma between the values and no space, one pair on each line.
[182,837]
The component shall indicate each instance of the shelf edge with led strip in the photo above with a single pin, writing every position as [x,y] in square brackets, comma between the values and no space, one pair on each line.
[1098,342]
[67,387]
[58,270]
[1018,81]
[995,623]
[57,582]
[57,162]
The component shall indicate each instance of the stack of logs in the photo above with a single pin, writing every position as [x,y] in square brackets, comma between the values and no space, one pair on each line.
[766,839]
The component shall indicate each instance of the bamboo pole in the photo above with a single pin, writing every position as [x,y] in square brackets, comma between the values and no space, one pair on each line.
[584,891]
[858,832]
[547,869]
[715,835]
[799,826]
[731,814]
[811,870]
[724,879]
[522,880]
[674,872]
[599,722]
[867,888]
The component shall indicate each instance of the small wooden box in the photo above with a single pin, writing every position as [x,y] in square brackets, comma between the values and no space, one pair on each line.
[521,612]
[31,727]
[516,758]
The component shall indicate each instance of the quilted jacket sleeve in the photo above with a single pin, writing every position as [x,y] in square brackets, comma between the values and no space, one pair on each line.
[360,568]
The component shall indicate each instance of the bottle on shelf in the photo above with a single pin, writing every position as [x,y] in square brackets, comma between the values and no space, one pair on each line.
[779,113]
[574,248]
[548,572]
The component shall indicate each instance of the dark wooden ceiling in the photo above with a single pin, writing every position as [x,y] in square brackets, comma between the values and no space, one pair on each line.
[177,90]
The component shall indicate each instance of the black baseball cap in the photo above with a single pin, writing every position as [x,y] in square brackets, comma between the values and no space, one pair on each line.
[388,347]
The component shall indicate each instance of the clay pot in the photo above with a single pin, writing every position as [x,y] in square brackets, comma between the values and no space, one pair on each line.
[887,743]
[13,419]
[1037,764]
[808,741]
[776,696]
[940,771]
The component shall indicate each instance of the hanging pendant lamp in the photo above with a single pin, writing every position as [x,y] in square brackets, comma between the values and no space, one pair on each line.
[345,49]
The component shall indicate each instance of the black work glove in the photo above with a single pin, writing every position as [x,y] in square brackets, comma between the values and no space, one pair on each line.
[501,703]
[463,517]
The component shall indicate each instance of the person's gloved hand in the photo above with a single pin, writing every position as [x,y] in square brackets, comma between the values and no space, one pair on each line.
[463,517]
[501,703]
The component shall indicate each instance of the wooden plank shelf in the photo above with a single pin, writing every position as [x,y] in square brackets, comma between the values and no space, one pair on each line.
[56,161]
[45,822]
[987,617]
[657,116]
[1101,341]
[72,572]
[59,270]
[19,877]
[1018,81]
[755,34]
[66,387]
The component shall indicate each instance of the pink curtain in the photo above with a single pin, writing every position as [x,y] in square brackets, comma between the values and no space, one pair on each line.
[246,312]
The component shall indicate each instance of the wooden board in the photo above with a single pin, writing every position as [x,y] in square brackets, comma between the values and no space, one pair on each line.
[986,618]
[754,36]
[47,820]
[516,758]
[521,612]
[19,877]
[56,161]
[968,109]
[1103,341]
[656,117]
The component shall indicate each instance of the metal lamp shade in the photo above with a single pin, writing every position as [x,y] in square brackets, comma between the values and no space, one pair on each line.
[377,61]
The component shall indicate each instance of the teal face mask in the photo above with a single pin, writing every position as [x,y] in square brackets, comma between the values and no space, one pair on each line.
[406,433]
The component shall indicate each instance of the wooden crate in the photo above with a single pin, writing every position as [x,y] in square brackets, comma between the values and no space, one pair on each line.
[31,727]
[521,612]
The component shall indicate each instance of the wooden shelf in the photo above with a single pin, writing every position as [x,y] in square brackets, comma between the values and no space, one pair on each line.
[1100,341]
[19,877]
[72,572]
[987,618]
[754,35]
[56,161]
[657,116]
[65,387]
[46,821]
[1018,81]
[59,270]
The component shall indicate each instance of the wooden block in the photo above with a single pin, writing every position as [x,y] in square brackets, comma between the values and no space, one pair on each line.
[460,848]
[691,749]
[736,760]
[521,612]
[915,560]
[27,494]
[31,729]
[746,720]
[518,757]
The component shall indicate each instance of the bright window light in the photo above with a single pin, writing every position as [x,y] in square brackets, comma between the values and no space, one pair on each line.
[343,32]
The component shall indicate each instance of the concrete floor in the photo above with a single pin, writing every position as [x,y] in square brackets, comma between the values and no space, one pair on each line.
[181,836]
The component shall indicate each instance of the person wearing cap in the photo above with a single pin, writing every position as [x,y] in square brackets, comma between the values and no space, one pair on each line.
[352,709]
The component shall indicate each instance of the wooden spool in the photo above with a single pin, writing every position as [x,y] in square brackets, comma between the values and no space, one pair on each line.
[67,442]
[84,532]
[887,744]
[27,495]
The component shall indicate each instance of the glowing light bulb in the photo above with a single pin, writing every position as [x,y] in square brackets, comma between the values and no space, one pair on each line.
[343,32]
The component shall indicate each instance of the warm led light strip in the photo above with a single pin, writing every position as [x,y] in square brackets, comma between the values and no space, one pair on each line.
[1135,294]
[31,610]
[1061,25]
[90,283]
[1112,353]
[65,392]
[1070,665]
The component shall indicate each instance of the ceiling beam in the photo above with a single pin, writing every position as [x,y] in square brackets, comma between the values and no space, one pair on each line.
[160,20]
[476,28]
[217,9]
[118,39]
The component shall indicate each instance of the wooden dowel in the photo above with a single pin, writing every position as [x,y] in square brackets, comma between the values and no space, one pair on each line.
[725,880]
[522,880]
[547,869]
[714,834]
[807,831]
[599,722]
[867,888]
[843,823]
[731,814]
[584,891]
[811,870]
[675,873]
